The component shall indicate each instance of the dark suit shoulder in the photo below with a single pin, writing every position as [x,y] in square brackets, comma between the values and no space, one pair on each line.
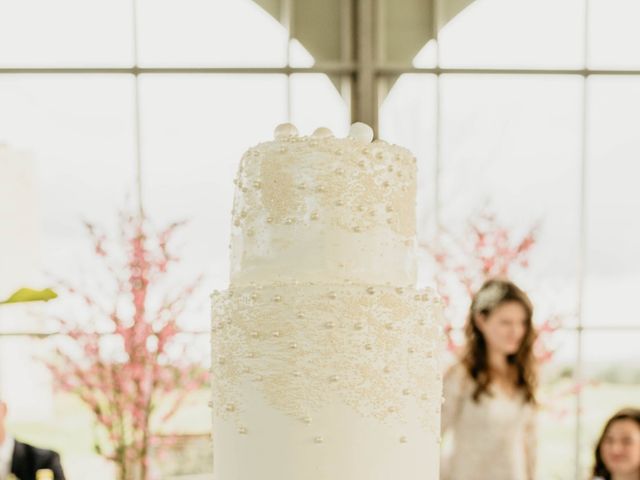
[28,459]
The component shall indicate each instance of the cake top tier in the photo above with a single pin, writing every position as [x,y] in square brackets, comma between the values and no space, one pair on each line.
[324,208]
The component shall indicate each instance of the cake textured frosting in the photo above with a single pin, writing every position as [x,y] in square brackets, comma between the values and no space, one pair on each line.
[326,358]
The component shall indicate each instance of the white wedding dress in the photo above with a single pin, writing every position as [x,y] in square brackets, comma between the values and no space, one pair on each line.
[494,439]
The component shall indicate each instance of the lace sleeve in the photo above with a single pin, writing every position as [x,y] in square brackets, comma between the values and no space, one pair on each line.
[453,392]
[531,444]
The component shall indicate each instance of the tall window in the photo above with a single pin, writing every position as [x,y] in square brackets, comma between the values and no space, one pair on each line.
[528,108]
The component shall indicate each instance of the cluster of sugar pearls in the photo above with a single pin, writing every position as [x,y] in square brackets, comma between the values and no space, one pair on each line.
[358,131]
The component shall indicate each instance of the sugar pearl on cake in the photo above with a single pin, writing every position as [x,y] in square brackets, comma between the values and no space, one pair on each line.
[293,345]
[269,219]
[257,184]
[403,439]
[361,132]
[230,407]
[332,295]
[254,334]
[314,216]
[322,132]
[276,334]
[334,378]
[277,298]
[242,430]
[285,130]
[307,420]
[318,439]
[371,290]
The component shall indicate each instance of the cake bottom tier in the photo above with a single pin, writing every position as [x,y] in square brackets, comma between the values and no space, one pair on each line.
[326,382]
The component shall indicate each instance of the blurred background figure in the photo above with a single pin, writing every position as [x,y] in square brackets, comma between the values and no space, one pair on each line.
[617,455]
[490,403]
[23,460]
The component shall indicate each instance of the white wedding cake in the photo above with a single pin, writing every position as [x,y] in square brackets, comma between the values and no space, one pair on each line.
[326,358]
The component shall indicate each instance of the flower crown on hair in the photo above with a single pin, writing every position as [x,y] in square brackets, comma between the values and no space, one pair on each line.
[489,297]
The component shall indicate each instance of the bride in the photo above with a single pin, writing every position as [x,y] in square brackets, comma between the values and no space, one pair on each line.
[490,404]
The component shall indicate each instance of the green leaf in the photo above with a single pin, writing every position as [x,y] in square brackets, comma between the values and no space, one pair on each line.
[30,295]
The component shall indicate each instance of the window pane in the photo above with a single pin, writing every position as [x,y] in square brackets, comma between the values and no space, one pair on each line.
[220,33]
[613,369]
[40,415]
[613,202]
[66,32]
[557,417]
[614,33]
[195,130]
[511,147]
[504,33]
[78,135]
[316,102]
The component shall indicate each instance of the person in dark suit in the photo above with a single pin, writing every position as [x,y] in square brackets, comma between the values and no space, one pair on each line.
[23,460]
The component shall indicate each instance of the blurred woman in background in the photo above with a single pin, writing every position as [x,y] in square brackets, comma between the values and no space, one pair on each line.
[617,455]
[490,393]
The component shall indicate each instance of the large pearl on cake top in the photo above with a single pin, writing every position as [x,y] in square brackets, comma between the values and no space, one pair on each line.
[285,130]
[361,131]
[322,132]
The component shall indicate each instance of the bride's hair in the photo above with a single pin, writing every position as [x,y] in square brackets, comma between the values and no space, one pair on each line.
[494,293]
[599,468]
